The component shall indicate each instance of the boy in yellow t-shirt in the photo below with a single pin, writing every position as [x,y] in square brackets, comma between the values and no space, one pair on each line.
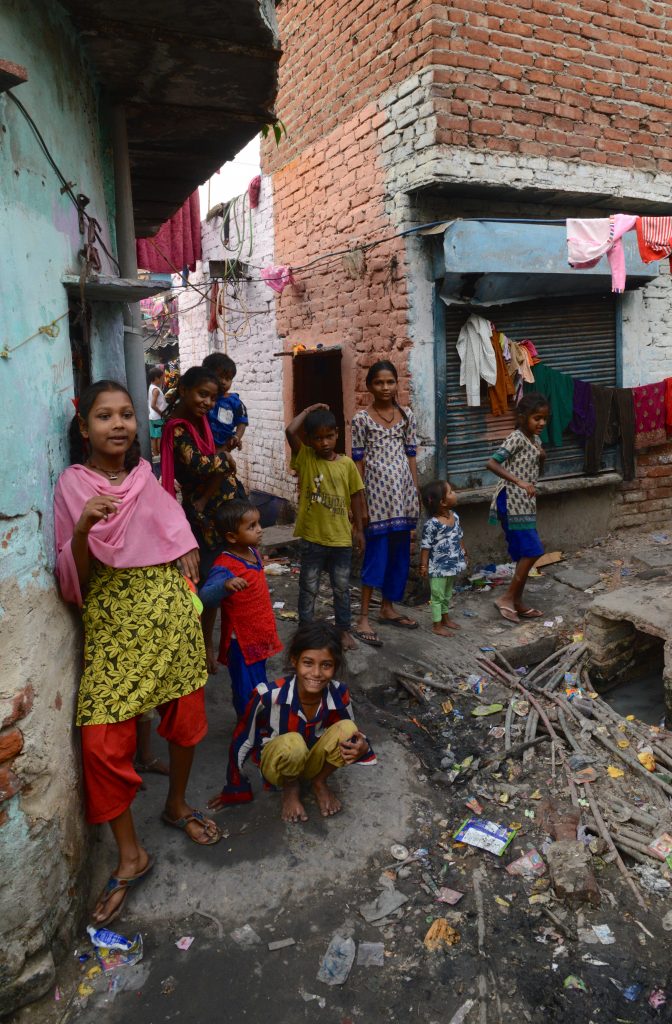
[330,488]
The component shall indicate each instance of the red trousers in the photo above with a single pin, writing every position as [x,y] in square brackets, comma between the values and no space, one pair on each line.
[110,780]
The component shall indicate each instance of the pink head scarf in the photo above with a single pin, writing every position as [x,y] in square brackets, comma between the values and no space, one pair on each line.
[204,442]
[150,528]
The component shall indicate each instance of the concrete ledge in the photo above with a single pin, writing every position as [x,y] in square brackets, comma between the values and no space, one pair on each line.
[559,485]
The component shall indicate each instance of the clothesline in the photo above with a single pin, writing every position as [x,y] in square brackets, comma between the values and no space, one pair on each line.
[637,418]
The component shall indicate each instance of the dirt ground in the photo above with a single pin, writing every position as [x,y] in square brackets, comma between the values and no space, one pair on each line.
[514,941]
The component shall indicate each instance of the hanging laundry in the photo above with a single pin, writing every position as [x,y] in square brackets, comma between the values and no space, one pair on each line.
[503,388]
[278,278]
[649,403]
[654,237]
[253,191]
[212,302]
[668,404]
[520,362]
[583,412]
[558,388]
[589,239]
[177,243]
[477,356]
[614,421]
[531,349]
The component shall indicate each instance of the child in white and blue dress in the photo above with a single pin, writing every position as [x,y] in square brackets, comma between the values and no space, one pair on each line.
[442,555]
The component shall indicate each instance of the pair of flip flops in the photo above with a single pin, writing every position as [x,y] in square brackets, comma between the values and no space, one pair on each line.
[511,615]
[373,640]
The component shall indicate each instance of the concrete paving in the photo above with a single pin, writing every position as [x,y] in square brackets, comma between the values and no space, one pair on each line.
[305,882]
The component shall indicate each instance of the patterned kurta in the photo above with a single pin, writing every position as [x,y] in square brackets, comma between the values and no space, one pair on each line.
[193,471]
[521,454]
[444,543]
[143,643]
[391,495]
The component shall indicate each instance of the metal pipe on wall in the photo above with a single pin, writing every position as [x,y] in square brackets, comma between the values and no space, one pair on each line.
[134,355]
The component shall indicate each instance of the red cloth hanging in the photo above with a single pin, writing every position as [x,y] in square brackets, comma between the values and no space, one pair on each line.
[177,244]
[253,190]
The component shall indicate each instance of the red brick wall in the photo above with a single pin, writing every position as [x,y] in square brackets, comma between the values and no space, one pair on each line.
[647,500]
[329,197]
[589,80]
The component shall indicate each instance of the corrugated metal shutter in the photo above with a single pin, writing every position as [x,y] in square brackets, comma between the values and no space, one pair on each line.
[574,335]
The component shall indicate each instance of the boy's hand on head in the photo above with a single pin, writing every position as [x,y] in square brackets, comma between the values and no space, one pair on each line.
[237,583]
[318,405]
[354,748]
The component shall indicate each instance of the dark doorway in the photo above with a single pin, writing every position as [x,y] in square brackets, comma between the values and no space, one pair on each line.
[317,378]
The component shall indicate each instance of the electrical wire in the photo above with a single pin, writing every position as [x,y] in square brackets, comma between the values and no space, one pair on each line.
[66,186]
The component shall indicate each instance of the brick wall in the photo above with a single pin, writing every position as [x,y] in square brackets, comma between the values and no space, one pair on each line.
[647,500]
[586,81]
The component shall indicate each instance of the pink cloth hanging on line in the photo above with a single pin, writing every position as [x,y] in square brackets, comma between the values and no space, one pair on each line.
[176,245]
[253,191]
[589,239]
[278,278]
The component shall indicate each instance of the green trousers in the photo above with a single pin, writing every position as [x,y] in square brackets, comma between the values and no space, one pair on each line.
[441,591]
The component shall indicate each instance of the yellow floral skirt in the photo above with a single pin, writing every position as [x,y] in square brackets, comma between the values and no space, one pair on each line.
[143,644]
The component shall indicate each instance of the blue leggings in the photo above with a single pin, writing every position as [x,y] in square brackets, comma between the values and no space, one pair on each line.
[387,563]
[244,678]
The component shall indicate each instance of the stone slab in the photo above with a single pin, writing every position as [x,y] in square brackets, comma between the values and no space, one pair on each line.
[648,607]
[576,576]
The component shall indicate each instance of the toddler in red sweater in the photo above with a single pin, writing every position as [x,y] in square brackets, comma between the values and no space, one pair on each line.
[237,580]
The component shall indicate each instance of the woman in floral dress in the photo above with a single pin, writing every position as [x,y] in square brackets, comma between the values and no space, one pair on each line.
[384,449]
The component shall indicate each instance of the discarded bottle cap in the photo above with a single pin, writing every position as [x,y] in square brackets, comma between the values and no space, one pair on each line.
[398,851]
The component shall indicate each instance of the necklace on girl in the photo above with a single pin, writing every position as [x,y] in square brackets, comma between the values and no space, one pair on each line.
[384,418]
[110,476]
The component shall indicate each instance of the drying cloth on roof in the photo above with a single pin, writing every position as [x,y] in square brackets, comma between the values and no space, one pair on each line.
[589,239]
[503,388]
[176,245]
[558,388]
[477,356]
[583,413]
[654,237]
[649,403]
[614,421]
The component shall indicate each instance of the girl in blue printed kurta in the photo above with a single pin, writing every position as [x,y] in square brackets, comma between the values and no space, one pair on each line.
[442,554]
[384,449]
[518,463]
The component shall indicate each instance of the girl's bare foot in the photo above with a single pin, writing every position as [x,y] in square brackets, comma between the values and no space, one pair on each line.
[440,630]
[327,800]
[447,621]
[292,809]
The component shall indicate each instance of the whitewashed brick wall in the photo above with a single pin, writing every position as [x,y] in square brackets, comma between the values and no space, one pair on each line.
[263,461]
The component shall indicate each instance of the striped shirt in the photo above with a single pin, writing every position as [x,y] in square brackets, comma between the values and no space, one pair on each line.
[275,709]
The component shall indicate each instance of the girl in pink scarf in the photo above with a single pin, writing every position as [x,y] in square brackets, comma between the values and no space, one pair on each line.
[118,539]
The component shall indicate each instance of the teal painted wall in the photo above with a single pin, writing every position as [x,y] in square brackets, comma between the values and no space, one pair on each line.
[43,838]
[39,242]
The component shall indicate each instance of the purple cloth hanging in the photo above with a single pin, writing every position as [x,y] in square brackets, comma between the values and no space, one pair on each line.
[583,413]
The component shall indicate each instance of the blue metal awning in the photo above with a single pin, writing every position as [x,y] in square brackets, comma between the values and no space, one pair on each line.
[490,262]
